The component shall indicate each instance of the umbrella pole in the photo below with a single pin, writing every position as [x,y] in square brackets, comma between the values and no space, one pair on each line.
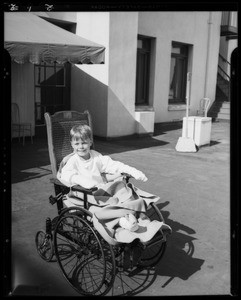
[187,103]
[186,144]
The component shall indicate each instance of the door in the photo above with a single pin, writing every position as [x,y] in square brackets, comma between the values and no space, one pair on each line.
[52,92]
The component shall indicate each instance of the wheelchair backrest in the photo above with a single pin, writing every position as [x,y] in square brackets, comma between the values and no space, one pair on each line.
[58,134]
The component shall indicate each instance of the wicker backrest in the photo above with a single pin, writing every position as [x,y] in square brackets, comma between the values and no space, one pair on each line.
[58,134]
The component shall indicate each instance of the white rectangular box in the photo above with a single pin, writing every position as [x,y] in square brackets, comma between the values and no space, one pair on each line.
[199,129]
[144,121]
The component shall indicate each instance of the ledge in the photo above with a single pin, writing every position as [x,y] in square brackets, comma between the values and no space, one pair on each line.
[176,107]
[144,108]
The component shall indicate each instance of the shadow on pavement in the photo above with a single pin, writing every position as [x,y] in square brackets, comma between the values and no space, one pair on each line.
[162,128]
[178,260]
[127,144]
[29,161]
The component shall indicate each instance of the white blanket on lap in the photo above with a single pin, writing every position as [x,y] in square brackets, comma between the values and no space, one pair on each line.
[118,199]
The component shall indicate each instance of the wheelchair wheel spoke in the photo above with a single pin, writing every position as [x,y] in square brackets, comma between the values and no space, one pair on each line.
[81,256]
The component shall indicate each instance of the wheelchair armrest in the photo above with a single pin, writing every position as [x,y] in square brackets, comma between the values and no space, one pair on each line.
[56,181]
[127,175]
[79,188]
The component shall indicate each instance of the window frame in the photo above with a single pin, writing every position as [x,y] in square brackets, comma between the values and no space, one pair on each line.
[143,53]
[179,58]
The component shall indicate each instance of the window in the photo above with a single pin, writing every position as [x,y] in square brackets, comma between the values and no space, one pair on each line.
[143,71]
[51,89]
[178,73]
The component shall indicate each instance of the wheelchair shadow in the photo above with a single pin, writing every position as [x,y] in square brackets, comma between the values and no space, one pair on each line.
[178,261]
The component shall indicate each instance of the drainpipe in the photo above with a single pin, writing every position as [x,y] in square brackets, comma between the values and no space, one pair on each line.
[208,53]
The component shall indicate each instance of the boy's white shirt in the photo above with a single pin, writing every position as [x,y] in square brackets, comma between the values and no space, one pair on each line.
[87,173]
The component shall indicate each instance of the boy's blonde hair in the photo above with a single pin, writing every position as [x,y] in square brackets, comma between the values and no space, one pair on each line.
[81,132]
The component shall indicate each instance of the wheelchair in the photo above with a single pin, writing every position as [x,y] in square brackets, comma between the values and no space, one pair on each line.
[87,260]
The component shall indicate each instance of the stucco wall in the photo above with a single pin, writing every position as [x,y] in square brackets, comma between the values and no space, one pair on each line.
[190,28]
[122,73]
[89,82]
[22,92]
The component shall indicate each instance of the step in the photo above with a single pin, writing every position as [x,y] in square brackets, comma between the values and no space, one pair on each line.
[220,110]
[223,116]
[225,110]
[226,105]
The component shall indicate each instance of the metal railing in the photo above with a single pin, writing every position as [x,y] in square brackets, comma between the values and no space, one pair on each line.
[223,80]
[224,67]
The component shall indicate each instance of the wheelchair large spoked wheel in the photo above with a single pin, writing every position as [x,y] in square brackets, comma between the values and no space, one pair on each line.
[152,253]
[86,261]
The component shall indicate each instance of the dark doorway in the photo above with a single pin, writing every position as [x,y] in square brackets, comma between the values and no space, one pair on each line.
[52,92]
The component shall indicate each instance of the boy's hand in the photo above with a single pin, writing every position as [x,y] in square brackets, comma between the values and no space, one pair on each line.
[138,175]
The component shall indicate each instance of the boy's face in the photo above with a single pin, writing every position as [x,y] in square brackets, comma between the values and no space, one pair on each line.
[82,148]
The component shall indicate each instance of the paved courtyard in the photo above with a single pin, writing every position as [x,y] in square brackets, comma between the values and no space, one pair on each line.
[195,201]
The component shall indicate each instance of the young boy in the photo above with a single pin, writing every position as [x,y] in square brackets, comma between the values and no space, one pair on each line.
[116,203]
[85,166]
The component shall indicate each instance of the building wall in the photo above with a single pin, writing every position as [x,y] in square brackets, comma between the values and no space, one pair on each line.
[190,28]
[89,83]
[108,91]
[22,92]
[122,73]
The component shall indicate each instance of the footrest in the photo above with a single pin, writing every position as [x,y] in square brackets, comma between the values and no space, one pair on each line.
[52,200]
[158,238]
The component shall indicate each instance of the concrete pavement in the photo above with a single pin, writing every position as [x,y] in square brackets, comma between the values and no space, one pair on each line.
[195,201]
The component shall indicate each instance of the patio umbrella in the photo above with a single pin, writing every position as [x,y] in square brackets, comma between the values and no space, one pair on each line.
[29,38]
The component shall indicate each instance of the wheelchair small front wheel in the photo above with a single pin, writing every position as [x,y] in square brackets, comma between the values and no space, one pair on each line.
[44,245]
[152,255]
[153,252]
